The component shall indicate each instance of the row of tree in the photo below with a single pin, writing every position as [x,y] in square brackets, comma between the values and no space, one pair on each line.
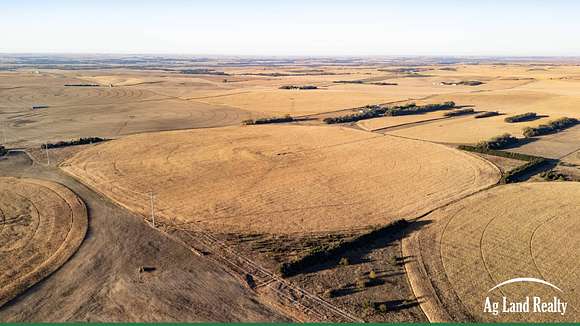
[521,117]
[374,111]
[336,250]
[80,141]
[498,142]
[305,87]
[261,121]
[551,127]
[455,113]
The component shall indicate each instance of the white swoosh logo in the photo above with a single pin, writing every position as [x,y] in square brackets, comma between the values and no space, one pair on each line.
[524,279]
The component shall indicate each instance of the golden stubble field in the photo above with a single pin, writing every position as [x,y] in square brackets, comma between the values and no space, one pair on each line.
[280,179]
[523,230]
[41,225]
[128,101]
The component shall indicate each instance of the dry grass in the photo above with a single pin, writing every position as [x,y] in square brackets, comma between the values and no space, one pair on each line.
[280,179]
[41,225]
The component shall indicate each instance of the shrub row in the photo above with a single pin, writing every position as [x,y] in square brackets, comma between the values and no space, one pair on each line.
[335,250]
[384,84]
[203,71]
[516,173]
[551,127]
[553,176]
[412,108]
[373,111]
[298,87]
[486,114]
[367,112]
[349,82]
[455,113]
[464,83]
[81,85]
[521,117]
[80,141]
[499,142]
[261,121]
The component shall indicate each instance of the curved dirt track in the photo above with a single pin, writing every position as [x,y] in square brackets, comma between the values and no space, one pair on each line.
[280,179]
[513,231]
[41,225]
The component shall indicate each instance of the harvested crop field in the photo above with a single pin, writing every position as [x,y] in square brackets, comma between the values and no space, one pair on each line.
[524,230]
[464,130]
[398,121]
[555,146]
[280,179]
[73,112]
[41,225]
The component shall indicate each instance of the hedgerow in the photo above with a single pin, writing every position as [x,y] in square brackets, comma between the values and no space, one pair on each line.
[455,113]
[80,141]
[262,121]
[374,111]
[499,142]
[335,251]
[521,117]
[533,162]
[551,127]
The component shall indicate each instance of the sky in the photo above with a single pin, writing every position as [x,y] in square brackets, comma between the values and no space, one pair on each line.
[292,28]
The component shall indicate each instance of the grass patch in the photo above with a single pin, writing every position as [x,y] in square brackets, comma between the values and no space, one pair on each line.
[344,261]
[551,127]
[335,250]
[521,117]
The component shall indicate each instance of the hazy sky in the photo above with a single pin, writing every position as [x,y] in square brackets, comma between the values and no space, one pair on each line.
[252,27]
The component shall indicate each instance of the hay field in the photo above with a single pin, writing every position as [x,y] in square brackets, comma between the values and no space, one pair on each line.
[41,225]
[522,230]
[280,179]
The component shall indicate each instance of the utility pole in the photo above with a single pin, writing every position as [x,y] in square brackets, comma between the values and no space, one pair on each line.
[4,131]
[151,197]
[47,156]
